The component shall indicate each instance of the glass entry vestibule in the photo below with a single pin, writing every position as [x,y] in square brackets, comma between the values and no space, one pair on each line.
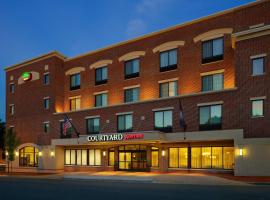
[132,158]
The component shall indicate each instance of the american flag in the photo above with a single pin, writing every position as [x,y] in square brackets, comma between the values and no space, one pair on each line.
[66,126]
[182,116]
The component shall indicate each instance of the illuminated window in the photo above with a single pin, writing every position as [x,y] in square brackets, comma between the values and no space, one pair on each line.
[92,125]
[212,50]
[12,88]
[258,66]
[111,157]
[210,117]
[124,123]
[154,157]
[28,157]
[168,89]
[212,82]
[196,160]
[228,157]
[75,81]
[163,120]
[75,103]
[76,157]
[132,68]
[101,75]
[131,95]
[101,100]
[206,157]
[168,60]
[94,157]
[257,108]
[217,157]
[178,157]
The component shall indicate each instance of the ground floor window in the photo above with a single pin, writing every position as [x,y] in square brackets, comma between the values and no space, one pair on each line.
[111,157]
[28,157]
[178,157]
[212,157]
[154,157]
[83,157]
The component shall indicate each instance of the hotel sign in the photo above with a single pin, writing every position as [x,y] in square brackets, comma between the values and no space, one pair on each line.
[114,137]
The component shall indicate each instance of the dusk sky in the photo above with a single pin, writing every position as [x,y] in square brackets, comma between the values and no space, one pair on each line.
[31,27]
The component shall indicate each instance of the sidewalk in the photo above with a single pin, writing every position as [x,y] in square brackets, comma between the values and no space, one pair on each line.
[168,178]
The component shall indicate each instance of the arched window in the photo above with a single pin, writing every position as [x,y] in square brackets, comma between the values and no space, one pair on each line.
[28,156]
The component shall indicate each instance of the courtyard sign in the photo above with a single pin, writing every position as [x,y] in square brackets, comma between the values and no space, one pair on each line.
[114,137]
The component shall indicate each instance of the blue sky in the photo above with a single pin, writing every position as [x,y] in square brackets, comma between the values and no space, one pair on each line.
[29,28]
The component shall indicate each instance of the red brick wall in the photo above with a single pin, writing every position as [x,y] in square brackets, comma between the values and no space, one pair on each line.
[28,98]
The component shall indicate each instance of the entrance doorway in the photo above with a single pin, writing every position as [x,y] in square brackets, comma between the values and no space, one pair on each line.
[132,158]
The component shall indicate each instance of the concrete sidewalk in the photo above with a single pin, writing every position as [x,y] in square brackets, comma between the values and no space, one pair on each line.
[171,178]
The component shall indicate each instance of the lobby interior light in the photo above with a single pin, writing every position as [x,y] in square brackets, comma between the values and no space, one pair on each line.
[40,153]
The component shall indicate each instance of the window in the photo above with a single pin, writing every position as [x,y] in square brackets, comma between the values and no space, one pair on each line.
[46,103]
[11,109]
[94,157]
[101,100]
[83,157]
[131,95]
[168,60]
[178,157]
[92,125]
[46,127]
[257,108]
[132,68]
[168,89]
[75,81]
[75,103]
[163,121]
[154,157]
[258,66]
[212,50]
[46,79]
[12,88]
[210,117]
[101,75]
[111,157]
[124,123]
[212,157]
[212,82]
[28,157]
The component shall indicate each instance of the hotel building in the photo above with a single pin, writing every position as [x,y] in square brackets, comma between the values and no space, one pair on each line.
[128,101]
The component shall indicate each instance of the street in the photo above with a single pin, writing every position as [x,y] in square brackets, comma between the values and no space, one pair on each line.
[12,188]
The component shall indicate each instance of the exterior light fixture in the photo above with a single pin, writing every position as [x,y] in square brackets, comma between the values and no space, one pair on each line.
[6,153]
[163,153]
[104,153]
[16,153]
[52,154]
[26,76]
[241,152]
[40,154]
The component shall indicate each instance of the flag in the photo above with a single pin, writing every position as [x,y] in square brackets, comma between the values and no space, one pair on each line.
[182,116]
[66,126]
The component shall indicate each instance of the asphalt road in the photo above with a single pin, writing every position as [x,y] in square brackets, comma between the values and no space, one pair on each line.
[39,189]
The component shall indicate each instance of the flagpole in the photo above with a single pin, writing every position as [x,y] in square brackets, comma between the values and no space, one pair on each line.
[183,120]
[77,133]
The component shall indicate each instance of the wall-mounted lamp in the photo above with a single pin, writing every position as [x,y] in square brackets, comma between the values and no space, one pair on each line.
[241,152]
[40,153]
[6,153]
[163,153]
[16,153]
[52,153]
[104,153]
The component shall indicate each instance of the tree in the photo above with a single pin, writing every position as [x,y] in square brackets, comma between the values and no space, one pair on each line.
[11,143]
[2,132]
